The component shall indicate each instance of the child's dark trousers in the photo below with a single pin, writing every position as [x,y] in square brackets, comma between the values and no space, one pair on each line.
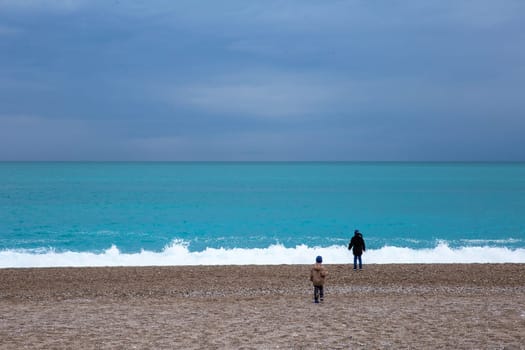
[318,293]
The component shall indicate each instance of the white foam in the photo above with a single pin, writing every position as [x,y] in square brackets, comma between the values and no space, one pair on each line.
[178,253]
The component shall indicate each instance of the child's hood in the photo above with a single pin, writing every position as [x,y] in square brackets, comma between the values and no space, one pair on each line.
[318,266]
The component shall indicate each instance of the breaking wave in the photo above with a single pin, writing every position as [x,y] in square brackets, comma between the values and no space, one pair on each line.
[177,253]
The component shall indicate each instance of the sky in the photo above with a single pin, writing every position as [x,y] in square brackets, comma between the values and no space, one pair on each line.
[273,80]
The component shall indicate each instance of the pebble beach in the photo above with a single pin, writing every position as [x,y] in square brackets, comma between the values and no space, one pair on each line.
[413,306]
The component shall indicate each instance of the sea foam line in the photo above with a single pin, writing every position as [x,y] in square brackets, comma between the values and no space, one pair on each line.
[178,253]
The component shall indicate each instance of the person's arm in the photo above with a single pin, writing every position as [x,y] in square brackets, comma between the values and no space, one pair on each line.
[364,247]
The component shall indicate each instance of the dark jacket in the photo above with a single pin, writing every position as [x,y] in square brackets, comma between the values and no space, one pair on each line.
[358,244]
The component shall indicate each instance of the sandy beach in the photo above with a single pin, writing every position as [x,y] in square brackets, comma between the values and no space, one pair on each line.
[456,306]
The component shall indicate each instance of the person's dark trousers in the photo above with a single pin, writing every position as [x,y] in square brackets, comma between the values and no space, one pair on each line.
[318,293]
[357,257]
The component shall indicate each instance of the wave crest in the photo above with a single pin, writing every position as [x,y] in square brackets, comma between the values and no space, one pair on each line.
[177,253]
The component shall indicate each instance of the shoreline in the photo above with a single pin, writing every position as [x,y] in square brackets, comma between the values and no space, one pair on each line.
[386,306]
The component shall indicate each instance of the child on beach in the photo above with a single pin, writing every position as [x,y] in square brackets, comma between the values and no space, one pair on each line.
[317,276]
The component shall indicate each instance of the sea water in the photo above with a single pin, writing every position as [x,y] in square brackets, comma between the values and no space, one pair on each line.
[177,213]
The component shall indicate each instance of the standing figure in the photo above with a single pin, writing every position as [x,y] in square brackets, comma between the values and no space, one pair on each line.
[317,276]
[357,244]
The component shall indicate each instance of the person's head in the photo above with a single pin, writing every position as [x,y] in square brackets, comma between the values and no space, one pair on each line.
[319,259]
[356,232]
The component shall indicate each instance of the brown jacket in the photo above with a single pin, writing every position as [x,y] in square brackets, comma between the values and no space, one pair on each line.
[318,274]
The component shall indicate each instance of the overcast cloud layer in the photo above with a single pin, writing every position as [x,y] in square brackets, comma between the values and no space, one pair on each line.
[262,80]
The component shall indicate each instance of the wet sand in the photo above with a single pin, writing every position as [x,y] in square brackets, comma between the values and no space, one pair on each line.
[463,306]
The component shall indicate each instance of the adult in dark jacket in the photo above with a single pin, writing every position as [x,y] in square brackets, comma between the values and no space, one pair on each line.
[357,245]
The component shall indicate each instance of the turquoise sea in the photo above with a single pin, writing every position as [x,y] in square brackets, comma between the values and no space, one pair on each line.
[177,213]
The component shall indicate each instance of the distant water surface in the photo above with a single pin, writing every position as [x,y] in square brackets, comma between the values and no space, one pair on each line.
[88,214]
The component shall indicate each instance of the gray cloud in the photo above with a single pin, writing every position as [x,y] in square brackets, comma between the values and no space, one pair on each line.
[255,80]
[7,30]
[257,95]
[61,6]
